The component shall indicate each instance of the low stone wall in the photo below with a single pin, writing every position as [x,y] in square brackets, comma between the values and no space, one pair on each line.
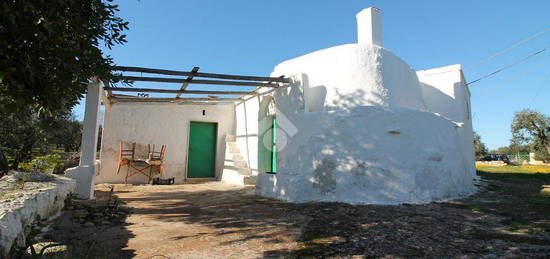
[26,198]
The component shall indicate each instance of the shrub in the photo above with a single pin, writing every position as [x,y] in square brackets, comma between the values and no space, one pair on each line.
[42,163]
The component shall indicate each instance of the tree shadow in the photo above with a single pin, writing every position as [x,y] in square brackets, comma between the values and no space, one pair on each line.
[98,241]
[327,229]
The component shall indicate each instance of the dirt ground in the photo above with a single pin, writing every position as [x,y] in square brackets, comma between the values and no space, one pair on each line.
[509,217]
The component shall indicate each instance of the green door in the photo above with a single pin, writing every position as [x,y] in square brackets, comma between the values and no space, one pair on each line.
[267,149]
[201,160]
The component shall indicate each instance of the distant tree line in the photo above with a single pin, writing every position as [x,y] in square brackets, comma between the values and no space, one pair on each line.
[27,134]
[530,133]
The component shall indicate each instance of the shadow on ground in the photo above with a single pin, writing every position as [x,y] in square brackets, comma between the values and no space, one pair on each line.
[101,239]
[508,217]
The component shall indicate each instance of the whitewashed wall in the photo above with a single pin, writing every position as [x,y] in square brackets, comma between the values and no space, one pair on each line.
[163,123]
[381,137]
[357,75]
[445,92]
[366,154]
[246,131]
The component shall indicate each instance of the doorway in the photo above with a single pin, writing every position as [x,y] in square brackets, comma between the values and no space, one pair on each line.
[201,159]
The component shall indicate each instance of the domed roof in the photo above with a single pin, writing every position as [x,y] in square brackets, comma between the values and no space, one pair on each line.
[358,75]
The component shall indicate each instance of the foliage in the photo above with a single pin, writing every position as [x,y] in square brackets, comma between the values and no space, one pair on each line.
[19,133]
[479,147]
[49,49]
[65,132]
[41,163]
[28,132]
[532,128]
[513,148]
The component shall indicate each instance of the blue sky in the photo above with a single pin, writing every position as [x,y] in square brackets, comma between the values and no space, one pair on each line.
[251,37]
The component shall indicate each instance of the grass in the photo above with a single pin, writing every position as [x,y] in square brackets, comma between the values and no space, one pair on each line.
[522,193]
[522,169]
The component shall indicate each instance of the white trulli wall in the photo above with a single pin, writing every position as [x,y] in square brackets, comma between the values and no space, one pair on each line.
[445,92]
[160,123]
[380,136]
[358,74]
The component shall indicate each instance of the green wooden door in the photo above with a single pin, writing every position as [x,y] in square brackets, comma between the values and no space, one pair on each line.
[267,150]
[201,161]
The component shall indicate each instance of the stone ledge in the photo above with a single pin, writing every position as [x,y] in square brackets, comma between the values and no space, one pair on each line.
[42,197]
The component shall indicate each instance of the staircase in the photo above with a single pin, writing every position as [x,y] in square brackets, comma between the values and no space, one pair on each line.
[235,168]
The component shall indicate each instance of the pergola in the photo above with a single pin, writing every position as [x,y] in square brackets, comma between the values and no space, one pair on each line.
[184,79]
[97,91]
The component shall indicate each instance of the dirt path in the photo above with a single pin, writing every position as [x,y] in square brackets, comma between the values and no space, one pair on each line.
[205,221]
[212,220]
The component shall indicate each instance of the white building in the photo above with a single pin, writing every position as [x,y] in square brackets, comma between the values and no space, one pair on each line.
[355,124]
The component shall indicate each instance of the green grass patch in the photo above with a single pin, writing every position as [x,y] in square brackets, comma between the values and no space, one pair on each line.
[530,169]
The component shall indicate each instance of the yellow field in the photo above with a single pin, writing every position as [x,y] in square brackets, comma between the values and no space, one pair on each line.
[513,169]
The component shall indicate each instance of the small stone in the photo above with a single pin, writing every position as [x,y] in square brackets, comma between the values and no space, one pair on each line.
[80,213]
[89,224]
[105,222]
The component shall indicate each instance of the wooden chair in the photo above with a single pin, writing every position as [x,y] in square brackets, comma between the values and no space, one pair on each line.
[126,156]
[156,159]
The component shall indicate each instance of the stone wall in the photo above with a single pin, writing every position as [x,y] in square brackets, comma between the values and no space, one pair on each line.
[26,198]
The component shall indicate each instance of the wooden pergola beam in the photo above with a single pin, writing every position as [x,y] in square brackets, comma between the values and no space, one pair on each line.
[187,80]
[198,74]
[172,91]
[198,100]
[200,82]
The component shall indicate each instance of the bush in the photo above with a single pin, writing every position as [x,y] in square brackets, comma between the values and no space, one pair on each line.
[42,163]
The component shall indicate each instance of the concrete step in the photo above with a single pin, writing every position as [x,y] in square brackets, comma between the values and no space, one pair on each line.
[233,150]
[237,157]
[242,163]
[230,138]
[233,163]
[234,177]
[232,144]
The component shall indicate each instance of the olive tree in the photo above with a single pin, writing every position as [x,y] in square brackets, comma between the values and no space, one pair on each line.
[49,49]
[532,128]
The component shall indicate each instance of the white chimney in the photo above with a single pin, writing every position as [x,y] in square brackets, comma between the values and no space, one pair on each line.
[369,26]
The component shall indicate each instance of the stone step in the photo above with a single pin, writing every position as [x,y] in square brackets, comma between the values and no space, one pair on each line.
[230,138]
[242,163]
[234,177]
[234,150]
[239,163]
[237,157]
[240,170]
[232,144]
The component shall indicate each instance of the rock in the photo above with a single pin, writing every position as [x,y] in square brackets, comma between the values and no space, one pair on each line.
[43,195]
[89,224]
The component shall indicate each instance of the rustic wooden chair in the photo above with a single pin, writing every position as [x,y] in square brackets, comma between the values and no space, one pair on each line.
[156,159]
[126,156]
